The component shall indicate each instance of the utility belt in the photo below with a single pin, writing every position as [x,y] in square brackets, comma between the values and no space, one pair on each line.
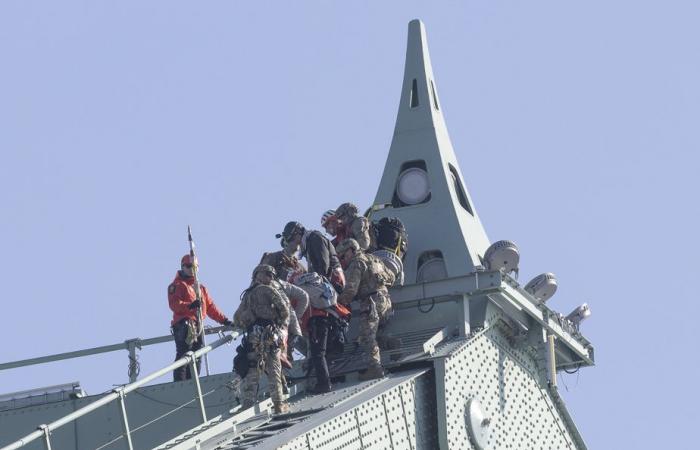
[186,329]
[261,337]
[184,322]
[261,323]
[264,335]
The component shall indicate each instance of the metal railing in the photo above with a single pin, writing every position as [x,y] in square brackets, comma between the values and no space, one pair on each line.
[131,345]
[120,393]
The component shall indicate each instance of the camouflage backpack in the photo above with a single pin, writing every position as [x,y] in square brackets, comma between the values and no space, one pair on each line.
[244,316]
[382,275]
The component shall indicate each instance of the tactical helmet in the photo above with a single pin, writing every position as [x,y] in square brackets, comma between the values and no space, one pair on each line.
[347,244]
[346,210]
[264,268]
[327,215]
[291,229]
[186,260]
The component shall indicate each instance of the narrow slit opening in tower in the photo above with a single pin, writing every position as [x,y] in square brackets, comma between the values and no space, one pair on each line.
[414,94]
[459,190]
[432,90]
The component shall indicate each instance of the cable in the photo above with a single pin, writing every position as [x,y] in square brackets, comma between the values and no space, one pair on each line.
[177,408]
[430,308]
[121,436]
[176,405]
[578,367]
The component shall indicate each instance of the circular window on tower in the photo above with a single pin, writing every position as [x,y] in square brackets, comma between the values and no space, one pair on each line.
[413,185]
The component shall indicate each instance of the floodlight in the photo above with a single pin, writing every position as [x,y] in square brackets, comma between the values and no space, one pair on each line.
[578,315]
[543,286]
[503,256]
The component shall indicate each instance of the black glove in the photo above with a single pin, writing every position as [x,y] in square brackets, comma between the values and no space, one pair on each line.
[195,304]
[228,323]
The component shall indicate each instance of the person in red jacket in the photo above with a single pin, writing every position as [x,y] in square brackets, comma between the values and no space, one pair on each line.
[184,304]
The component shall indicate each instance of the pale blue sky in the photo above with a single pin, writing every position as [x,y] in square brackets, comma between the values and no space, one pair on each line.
[575,124]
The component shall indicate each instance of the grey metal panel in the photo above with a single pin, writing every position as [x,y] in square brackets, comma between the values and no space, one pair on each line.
[443,302]
[394,412]
[398,418]
[446,287]
[103,425]
[505,380]
[577,344]
[210,435]
[40,396]
[421,409]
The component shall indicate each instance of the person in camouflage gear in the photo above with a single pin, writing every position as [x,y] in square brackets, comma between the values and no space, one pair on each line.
[353,225]
[263,312]
[298,301]
[366,281]
[285,263]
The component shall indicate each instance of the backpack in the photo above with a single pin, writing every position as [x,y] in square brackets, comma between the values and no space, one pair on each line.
[390,234]
[244,314]
[382,275]
[322,295]
[392,263]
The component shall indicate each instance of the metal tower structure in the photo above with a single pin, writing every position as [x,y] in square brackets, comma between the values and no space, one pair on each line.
[422,183]
[476,368]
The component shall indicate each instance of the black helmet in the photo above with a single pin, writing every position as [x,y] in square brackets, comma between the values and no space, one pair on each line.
[290,230]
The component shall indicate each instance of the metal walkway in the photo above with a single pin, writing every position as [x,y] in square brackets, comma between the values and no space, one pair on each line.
[256,427]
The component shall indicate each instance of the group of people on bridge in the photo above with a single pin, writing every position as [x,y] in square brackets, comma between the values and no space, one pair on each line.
[291,306]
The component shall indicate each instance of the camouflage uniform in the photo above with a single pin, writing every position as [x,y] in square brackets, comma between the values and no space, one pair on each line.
[262,313]
[364,283]
[284,264]
[292,292]
[359,230]
[354,225]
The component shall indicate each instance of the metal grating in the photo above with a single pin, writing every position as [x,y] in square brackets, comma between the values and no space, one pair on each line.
[505,381]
